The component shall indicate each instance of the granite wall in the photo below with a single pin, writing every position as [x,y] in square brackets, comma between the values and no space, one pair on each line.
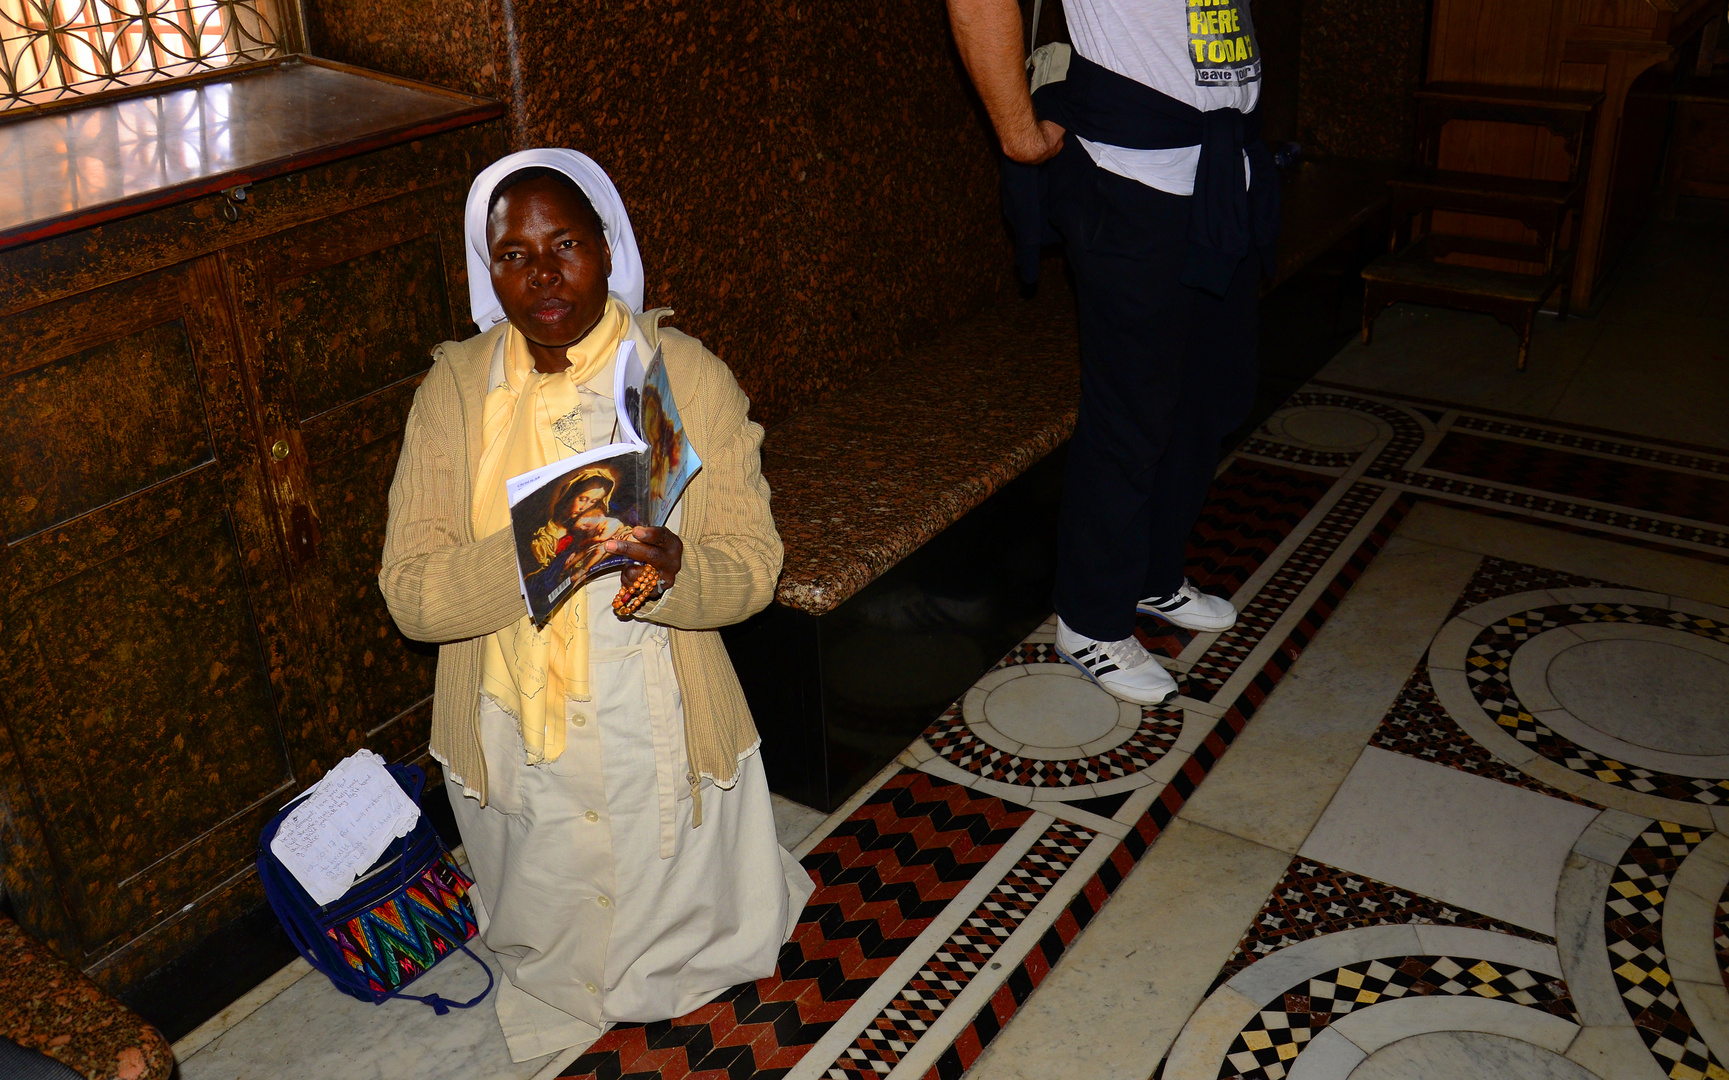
[812,185]
[1361,61]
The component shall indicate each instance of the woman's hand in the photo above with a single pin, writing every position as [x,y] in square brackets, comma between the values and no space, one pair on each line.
[658,547]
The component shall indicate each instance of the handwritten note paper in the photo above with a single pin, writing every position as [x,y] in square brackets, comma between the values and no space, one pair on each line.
[343,826]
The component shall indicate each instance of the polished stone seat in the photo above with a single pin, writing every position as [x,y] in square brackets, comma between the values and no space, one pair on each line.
[48,1006]
[918,510]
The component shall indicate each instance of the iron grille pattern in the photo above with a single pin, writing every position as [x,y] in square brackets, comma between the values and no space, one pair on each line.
[50,49]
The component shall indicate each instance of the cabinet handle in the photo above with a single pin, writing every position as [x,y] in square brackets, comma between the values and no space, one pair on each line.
[279,450]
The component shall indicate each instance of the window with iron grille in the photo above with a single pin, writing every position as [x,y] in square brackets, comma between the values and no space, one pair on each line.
[51,49]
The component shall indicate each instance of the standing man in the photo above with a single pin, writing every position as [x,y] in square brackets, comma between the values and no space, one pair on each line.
[1144,156]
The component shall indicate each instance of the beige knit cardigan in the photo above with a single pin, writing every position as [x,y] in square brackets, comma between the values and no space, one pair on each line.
[442,585]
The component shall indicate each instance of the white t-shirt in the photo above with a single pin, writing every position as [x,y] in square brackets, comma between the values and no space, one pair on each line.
[1200,52]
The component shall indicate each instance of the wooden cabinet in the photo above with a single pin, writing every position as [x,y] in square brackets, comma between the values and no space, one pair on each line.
[202,406]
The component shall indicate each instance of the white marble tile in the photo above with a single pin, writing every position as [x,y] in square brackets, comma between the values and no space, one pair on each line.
[1462,839]
[1270,976]
[1466,1055]
[1539,956]
[1329,1056]
[1207,1036]
[1127,985]
[1591,594]
[1388,1022]
[1707,1005]
[242,1007]
[1684,397]
[1688,922]
[1278,775]
[1614,1053]
[1465,358]
[313,1030]
[1574,553]
[1689,925]
[1646,695]
[1611,833]
[1048,802]
[1196,727]
[794,821]
[916,754]
[1580,943]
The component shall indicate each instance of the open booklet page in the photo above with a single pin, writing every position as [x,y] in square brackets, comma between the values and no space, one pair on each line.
[563,513]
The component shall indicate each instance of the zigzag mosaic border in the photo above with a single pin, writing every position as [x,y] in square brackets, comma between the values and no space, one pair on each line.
[883,874]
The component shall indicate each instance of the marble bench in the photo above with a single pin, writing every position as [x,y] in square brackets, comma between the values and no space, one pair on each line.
[918,510]
[49,1007]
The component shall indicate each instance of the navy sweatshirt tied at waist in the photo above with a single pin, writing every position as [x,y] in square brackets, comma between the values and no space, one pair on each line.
[1227,223]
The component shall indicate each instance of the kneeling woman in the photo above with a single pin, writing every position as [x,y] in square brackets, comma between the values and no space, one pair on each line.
[603,771]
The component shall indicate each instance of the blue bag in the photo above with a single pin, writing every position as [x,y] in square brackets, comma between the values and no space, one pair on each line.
[405,914]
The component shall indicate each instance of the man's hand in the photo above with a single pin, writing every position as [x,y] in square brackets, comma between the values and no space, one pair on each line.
[988,34]
[1040,143]
[659,548]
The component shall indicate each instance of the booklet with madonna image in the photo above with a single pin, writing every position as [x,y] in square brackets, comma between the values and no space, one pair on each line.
[563,514]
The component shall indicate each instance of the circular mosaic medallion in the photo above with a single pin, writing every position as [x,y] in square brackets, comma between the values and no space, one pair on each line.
[1664,695]
[1035,721]
[1626,691]
[1324,427]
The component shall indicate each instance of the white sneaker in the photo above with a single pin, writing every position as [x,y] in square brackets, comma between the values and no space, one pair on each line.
[1124,669]
[1191,609]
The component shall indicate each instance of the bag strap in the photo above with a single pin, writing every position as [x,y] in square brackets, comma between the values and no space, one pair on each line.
[440,1004]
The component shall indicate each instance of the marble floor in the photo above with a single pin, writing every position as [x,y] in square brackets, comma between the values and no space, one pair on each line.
[1650,362]
[1451,800]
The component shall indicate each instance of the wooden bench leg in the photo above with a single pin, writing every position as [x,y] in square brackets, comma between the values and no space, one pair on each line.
[1374,302]
[1525,335]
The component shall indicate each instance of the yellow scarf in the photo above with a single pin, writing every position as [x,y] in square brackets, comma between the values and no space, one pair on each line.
[530,672]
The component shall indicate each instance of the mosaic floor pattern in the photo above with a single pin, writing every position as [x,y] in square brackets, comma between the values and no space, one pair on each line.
[951,888]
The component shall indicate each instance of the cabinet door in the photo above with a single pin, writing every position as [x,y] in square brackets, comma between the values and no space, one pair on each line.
[141,703]
[339,320]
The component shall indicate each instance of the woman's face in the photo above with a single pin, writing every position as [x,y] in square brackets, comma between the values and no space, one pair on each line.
[549,266]
[583,502]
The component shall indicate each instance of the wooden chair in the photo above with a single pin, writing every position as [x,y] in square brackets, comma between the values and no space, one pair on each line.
[1412,269]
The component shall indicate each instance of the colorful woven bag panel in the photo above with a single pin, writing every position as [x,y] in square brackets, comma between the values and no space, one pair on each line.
[399,939]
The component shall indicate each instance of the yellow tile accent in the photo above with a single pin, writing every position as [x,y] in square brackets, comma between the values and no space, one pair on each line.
[1257,1040]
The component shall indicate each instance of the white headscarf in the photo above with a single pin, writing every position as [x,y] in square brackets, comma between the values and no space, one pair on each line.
[626,278]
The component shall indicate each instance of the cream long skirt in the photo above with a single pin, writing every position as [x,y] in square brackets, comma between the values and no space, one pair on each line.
[591,924]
